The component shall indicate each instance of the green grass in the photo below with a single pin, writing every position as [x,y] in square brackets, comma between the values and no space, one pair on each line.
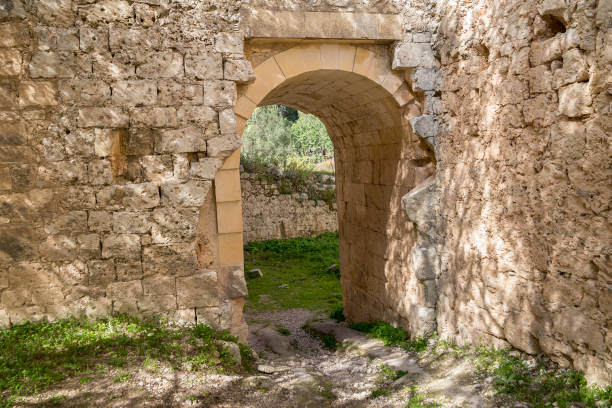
[34,356]
[391,336]
[301,264]
[386,376]
[418,399]
[539,384]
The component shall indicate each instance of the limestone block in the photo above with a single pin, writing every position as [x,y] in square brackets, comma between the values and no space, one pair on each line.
[555,8]
[232,282]
[545,51]
[115,65]
[604,12]
[8,96]
[103,117]
[122,39]
[158,303]
[574,69]
[224,145]
[37,94]
[424,79]
[89,246]
[128,270]
[420,206]
[540,79]
[125,290]
[424,127]
[134,92]
[174,225]
[184,140]
[93,39]
[145,15]
[423,262]
[123,246]
[55,12]
[421,37]
[132,196]
[11,62]
[579,328]
[101,272]
[575,100]
[412,55]
[74,273]
[169,259]
[190,194]
[199,290]
[170,92]
[15,298]
[422,320]
[100,221]
[52,65]
[220,94]
[197,115]
[163,64]
[280,24]
[84,92]
[33,275]
[74,221]
[13,133]
[76,198]
[67,39]
[205,168]
[58,248]
[131,222]
[5,321]
[99,172]
[79,143]
[158,169]
[227,122]
[229,42]
[12,34]
[155,117]
[159,285]
[204,66]
[140,142]
[568,140]
[108,11]
[238,70]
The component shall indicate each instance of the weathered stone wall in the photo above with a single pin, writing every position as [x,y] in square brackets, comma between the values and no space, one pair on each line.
[269,213]
[114,118]
[522,190]
[119,170]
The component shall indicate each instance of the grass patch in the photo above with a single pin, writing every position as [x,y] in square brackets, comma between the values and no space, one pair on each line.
[391,336]
[34,356]
[337,314]
[386,376]
[328,340]
[294,274]
[418,399]
[539,384]
[283,330]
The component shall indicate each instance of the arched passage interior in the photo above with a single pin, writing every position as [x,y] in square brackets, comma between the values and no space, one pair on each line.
[365,107]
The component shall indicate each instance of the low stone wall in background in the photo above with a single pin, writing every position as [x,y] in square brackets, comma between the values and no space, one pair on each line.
[272,212]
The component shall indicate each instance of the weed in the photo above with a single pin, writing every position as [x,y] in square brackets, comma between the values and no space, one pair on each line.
[328,340]
[283,330]
[122,376]
[337,314]
[300,263]
[34,356]
[418,399]
[391,336]
[537,384]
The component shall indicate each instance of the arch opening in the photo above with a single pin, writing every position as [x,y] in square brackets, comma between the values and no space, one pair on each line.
[378,159]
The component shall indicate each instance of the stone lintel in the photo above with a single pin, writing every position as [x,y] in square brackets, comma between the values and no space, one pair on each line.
[262,23]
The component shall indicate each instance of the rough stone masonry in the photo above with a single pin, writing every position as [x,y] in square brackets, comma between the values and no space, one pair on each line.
[119,185]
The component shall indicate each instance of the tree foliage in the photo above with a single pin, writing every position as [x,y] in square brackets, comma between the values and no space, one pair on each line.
[271,138]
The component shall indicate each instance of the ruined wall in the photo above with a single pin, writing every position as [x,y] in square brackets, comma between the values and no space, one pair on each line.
[271,212]
[523,177]
[117,188]
[114,118]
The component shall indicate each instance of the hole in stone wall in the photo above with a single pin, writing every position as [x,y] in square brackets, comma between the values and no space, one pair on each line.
[554,24]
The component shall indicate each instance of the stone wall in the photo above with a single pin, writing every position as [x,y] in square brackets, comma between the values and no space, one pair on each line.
[522,191]
[119,161]
[272,213]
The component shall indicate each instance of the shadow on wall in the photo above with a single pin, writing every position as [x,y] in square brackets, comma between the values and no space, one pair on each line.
[521,206]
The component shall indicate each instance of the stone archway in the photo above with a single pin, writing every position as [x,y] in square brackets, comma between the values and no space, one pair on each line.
[367,108]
